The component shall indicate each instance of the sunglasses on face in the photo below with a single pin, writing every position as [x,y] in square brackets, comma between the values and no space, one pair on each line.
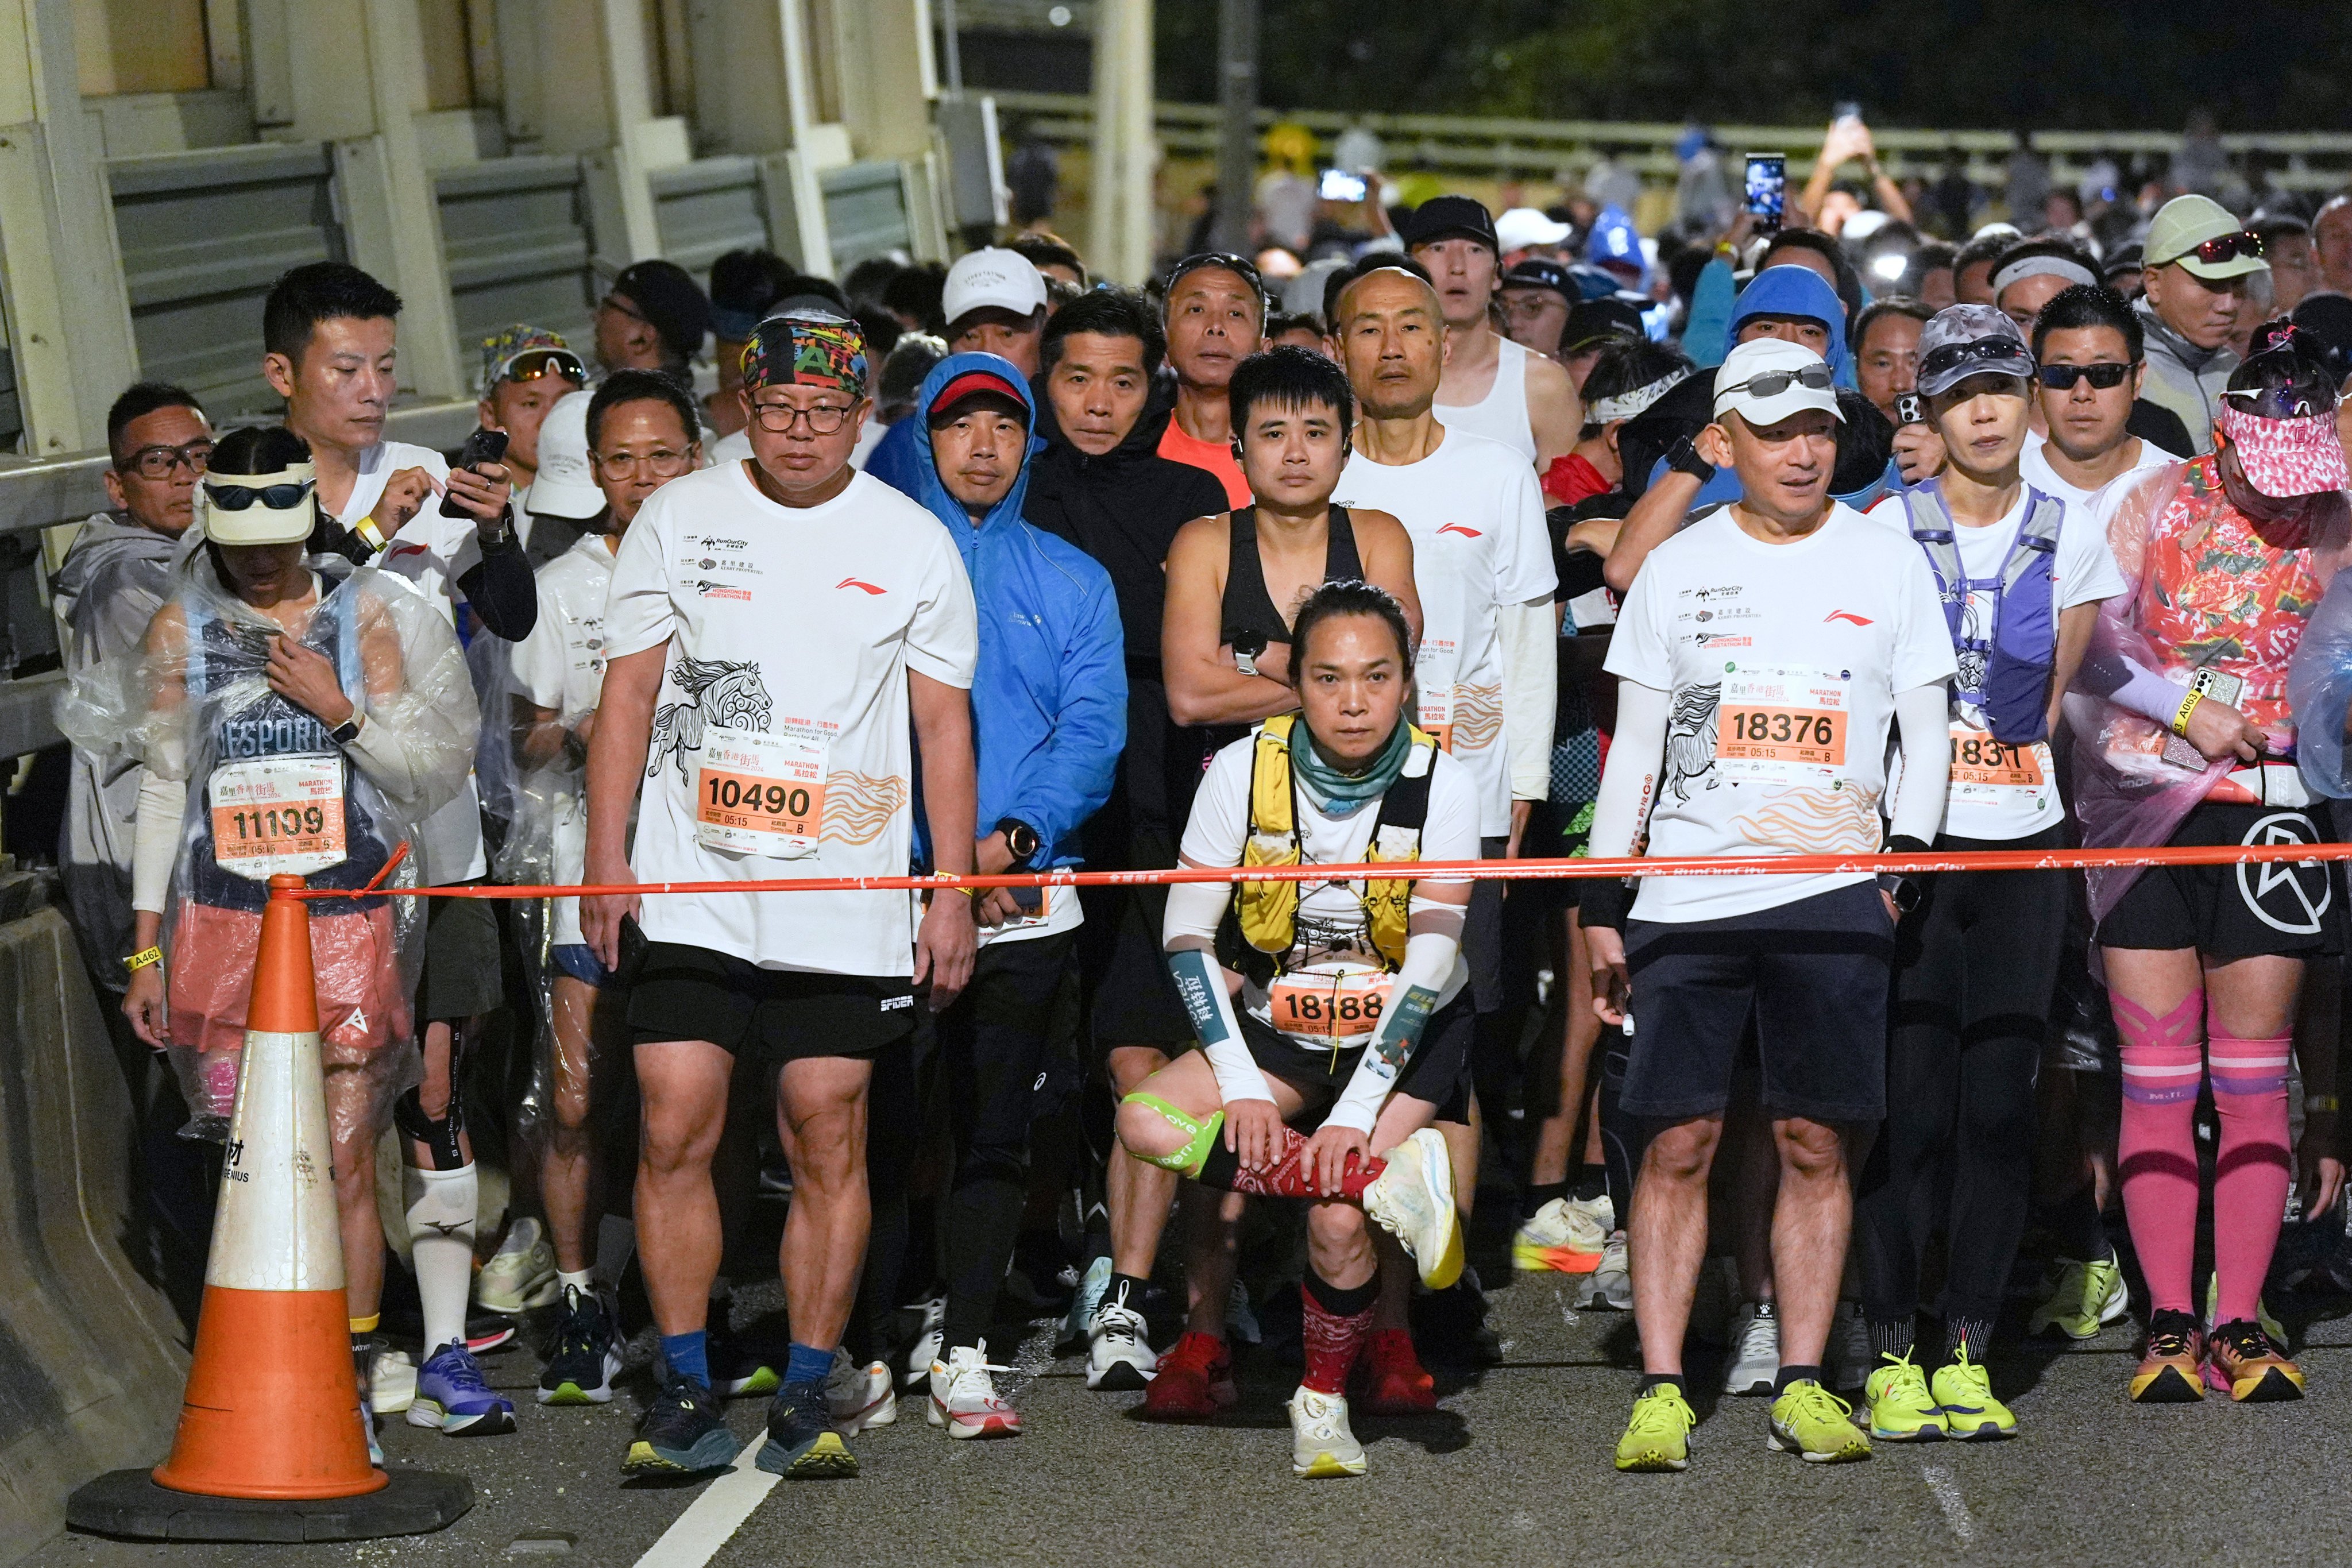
[1953,355]
[1773,382]
[543,363]
[277,498]
[159,462]
[2226,248]
[2062,377]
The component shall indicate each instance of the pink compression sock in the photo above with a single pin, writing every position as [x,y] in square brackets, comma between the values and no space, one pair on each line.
[2251,1171]
[2163,1065]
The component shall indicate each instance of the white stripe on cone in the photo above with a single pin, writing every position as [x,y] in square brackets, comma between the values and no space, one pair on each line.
[276,1227]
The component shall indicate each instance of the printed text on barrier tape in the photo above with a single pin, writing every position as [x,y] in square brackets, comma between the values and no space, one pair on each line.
[1450,870]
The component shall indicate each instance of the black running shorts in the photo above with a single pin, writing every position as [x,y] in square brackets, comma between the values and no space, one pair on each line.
[693,993]
[2279,907]
[1435,1069]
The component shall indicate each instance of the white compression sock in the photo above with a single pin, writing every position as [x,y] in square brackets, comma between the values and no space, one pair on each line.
[441,1206]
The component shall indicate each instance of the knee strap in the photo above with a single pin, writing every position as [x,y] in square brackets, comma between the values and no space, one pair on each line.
[439,1134]
[1200,1136]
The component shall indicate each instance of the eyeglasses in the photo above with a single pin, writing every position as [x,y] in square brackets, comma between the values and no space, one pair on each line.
[277,498]
[2224,248]
[540,363]
[158,462]
[2105,376]
[1773,382]
[665,463]
[615,303]
[823,419]
[1953,355]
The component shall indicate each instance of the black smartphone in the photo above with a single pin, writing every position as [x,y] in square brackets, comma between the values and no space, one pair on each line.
[481,447]
[1909,409]
[1031,900]
[632,953]
[1767,190]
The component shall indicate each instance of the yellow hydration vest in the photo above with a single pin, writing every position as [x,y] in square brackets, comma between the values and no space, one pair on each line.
[1267,912]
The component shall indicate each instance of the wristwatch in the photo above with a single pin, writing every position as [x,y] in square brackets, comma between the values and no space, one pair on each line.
[1247,646]
[1684,459]
[345,733]
[1899,886]
[1020,839]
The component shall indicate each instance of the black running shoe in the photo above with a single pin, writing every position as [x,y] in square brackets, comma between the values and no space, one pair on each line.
[583,1359]
[738,1370]
[802,1442]
[681,1435]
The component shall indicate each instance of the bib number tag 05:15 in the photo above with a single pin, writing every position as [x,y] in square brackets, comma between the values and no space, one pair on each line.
[273,814]
[759,794]
[1329,1006]
[1782,726]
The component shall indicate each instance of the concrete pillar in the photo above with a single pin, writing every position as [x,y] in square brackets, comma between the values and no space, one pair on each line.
[400,242]
[60,270]
[1125,153]
[626,230]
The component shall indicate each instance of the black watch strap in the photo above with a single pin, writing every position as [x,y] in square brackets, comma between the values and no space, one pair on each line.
[1684,459]
[345,733]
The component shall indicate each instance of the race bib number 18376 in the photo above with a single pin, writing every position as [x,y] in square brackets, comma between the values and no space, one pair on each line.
[1783,726]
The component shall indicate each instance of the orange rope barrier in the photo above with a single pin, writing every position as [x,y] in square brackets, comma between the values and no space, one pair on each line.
[1455,870]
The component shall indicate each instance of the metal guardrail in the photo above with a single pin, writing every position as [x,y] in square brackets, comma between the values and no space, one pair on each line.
[1501,148]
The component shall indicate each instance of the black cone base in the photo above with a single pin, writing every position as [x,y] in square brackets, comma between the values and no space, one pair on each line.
[129,1503]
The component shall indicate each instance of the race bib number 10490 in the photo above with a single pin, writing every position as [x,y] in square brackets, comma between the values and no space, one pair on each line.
[759,794]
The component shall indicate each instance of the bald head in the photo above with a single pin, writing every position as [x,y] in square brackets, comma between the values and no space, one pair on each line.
[1390,328]
[2331,235]
[1391,286]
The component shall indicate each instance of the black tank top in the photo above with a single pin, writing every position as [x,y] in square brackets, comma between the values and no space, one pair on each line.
[1247,606]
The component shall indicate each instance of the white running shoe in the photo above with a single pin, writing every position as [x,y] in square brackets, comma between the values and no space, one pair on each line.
[1084,1301]
[964,1398]
[1847,1360]
[1754,1359]
[392,1386]
[1321,1442]
[859,1397]
[1119,1351]
[1413,1200]
[926,1348]
[1611,1286]
[521,1275]
[1564,1236]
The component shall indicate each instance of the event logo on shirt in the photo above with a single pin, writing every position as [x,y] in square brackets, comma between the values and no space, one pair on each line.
[1457,528]
[854,582]
[1846,615]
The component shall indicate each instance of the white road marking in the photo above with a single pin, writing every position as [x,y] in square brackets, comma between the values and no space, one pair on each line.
[1948,1497]
[1035,1354]
[695,1537]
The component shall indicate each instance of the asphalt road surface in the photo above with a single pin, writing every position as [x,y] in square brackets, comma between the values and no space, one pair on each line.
[1515,1466]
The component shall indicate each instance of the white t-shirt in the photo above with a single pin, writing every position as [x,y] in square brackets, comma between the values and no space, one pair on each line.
[1477,518]
[791,633]
[2006,792]
[1781,662]
[1331,920]
[2098,504]
[432,552]
[561,666]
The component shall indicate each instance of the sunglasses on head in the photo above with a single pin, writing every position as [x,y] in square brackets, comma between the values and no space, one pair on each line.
[1952,355]
[1241,267]
[1773,382]
[541,363]
[2105,376]
[2226,248]
[277,498]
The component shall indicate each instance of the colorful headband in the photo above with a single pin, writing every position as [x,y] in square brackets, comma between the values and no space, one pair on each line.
[806,348]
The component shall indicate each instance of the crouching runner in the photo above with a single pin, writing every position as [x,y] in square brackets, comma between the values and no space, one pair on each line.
[1352,1020]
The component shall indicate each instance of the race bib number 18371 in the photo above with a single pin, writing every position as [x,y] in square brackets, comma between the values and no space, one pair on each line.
[759,794]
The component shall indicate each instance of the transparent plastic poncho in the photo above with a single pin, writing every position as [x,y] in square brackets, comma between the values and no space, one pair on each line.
[2195,601]
[268,791]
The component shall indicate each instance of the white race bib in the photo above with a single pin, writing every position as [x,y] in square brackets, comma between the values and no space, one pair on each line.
[273,814]
[1782,725]
[759,794]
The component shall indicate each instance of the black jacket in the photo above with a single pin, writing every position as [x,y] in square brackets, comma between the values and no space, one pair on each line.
[1123,508]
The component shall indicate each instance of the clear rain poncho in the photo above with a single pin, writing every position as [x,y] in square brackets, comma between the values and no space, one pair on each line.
[240,784]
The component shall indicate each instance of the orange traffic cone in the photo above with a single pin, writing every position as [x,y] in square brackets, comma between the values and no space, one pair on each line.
[270,1445]
[272,1404]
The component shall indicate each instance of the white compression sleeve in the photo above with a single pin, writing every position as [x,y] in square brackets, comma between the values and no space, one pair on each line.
[155,839]
[1194,908]
[378,752]
[1922,714]
[1530,694]
[1629,783]
[1429,959]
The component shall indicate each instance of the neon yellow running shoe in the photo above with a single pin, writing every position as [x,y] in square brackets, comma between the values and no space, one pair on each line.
[1901,1409]
[1658,1436]
[1970,1412]
[2081,1299]
[2261,1310]
[1810,1421]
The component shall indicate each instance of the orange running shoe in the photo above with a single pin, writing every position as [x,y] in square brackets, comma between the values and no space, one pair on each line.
[2169,1362]
[1389,1379]
[2243,1361]
[1195,1380]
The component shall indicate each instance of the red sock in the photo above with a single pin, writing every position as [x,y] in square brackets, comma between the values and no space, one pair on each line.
[1286,1177]
[1338,1322]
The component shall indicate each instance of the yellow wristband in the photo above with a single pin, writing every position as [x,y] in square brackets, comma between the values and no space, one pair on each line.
[2187,706]
[139,960]
[2321,1102]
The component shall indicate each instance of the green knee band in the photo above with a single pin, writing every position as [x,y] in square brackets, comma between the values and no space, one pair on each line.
[1200,1135]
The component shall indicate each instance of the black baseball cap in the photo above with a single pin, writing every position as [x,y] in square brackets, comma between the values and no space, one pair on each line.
[1594,319]
[1450,217]
[1535,272]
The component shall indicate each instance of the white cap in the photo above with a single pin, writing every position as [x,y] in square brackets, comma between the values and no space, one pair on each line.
[566,485]
[993,278]
[1764,356]
[1520,227]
